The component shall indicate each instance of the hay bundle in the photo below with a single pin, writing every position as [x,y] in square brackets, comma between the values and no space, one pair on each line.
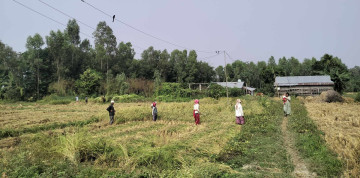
[331,96]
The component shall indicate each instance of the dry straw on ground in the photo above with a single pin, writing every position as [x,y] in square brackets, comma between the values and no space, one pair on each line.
[173,138]
[341,124]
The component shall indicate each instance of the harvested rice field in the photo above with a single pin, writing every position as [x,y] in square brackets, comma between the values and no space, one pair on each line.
[76,140]
[340,123]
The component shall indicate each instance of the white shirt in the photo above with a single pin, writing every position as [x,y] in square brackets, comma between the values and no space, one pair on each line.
[239,111]
[288,98]
[196,108]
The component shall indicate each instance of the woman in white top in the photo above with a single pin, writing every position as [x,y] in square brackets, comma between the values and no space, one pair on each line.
[196,112]
[287,105]
[239,113]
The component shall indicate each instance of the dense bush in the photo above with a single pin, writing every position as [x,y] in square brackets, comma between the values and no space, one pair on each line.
[267,89]
[216,91]
[235,92]
[141,87]
[14,93]
[357,98]
[128,98]
[55,99]
[176,90]
[117,85]
[62,88]
[89,82]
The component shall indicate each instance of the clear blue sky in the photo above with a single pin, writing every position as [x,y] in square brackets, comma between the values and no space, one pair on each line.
[248,30]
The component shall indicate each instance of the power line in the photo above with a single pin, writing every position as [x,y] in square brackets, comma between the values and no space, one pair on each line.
[54,8]
[66,14]
[71,18]
[141,31]
[33,10]
[230,57]
[46,16]
[208,57]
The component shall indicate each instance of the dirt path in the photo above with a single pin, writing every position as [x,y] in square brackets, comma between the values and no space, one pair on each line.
[300,167]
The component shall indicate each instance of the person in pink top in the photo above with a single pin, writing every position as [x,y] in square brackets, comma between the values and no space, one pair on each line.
[196,112]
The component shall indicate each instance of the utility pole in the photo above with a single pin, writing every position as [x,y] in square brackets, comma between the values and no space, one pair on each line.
[227,91]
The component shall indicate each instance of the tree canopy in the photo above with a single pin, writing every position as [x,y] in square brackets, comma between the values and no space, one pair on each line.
[64,64]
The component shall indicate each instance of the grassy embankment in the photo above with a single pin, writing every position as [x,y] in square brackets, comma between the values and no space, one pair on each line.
[340,124]
[311,144]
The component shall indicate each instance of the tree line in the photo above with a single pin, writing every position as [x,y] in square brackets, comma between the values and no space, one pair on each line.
[63,64]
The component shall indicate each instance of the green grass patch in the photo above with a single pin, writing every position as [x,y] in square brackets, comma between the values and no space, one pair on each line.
[4,133]
[57,102]
[311,144]
[259,146]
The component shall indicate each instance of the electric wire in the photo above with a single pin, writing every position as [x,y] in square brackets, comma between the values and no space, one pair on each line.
[143,32]
[46,16]
[35,11]
[67,15]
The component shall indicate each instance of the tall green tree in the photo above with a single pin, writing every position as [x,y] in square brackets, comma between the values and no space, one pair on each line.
[105,46]
[306,65]
[124,56]
[354,81]
[56,43]
[11,74]
[191,67]
[294,67]
[272,63]
[164,66]
[72,34]
[150,59]
[220,74]
[33,46]
[332,66]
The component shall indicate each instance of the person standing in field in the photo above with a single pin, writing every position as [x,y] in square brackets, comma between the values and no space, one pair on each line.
[287,106]
[111,110]
[86,99]
[196,112]
[76,98]
[239,113]
[154,111]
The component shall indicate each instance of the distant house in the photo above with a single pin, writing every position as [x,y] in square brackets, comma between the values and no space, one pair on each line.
[249,90]
[238,84]
[303,85]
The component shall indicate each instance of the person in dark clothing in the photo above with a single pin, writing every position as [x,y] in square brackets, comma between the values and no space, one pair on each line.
[86,100]
[154,111]
[111,110]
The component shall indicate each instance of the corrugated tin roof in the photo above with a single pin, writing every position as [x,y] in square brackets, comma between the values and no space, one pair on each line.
[231,84]
[303,80]
[250,88]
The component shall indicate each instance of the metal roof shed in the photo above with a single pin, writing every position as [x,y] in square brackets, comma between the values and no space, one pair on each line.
[303,80]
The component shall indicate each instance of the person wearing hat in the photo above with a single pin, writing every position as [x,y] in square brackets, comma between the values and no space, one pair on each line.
[239,113]
[196,112]
[111,110]
[154,111]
